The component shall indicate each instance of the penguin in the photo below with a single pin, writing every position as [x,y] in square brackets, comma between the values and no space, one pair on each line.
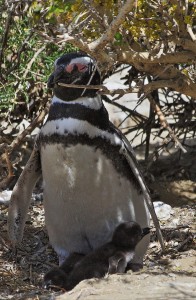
[91,179]
[110,258]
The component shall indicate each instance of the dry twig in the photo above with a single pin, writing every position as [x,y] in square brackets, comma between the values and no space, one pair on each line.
[103,90]
[39,119]
[16,142]
[164,123]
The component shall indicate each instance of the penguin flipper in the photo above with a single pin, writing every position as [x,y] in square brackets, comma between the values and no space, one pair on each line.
[117,263]
[21,197]
[131,159]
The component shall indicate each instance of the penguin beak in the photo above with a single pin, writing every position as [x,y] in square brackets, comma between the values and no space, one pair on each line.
[145,231]
[56,76]
[50,83]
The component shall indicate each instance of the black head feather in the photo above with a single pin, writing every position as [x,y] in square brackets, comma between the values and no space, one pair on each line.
[74,68]
[128,234]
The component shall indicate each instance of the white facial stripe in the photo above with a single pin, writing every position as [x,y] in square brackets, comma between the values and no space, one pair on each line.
[93,103]
[77,127]
[82,60]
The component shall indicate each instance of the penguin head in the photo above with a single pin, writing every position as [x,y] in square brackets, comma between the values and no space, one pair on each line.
[74,68]
[128,235]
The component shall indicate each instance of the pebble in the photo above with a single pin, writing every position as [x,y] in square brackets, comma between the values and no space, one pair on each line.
[172,275]
[162,210]
[5,197]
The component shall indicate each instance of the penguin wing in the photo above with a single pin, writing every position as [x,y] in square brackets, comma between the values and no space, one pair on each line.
[117,263]
[21,197]
[129,154]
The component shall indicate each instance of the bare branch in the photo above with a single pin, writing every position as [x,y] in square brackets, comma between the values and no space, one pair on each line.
[164,123]
[8,149]
[95,14]
[66,38]
[190,31]
[182,85]
[8,179]
[132,56]
[32,61]
[5,35]
[185,44]
[103,90]
[21,49]
[133,113]
[39,119]
[76,41]
[108,36]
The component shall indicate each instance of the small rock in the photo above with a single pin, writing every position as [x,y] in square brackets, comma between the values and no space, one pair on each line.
[162,210]
[173,244]
[5,197]
[172,275]
[151,264]
[164,261]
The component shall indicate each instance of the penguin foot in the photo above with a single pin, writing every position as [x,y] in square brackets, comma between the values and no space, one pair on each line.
[55,278]
[135,267]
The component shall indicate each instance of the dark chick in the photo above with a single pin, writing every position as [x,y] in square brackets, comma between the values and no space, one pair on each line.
[57,276]
[111,258]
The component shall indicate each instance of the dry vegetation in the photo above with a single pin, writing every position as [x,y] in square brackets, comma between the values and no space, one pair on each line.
[156,41]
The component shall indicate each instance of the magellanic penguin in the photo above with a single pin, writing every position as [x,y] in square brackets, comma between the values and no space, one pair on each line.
[110,258]
[91,179]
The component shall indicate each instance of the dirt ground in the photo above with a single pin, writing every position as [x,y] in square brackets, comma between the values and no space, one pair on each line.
[165,276]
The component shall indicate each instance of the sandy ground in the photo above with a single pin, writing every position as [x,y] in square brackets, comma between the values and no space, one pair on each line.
[136,286]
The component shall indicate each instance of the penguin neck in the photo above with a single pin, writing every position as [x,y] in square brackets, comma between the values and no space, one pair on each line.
[86,109]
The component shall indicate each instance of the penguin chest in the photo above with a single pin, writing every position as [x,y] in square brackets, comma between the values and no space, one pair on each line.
[85,197]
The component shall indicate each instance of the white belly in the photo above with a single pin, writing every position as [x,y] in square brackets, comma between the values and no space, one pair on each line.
[85,198]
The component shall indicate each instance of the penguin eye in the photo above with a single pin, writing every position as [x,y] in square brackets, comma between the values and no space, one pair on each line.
[81,68]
